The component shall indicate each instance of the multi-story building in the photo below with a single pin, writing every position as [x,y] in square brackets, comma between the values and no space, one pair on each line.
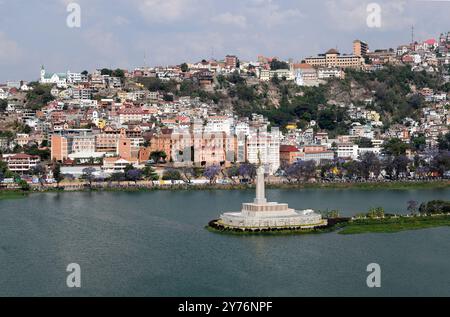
[347,151]
[288,154]
[326,73]
[213,148]
[80,146]
[106,142]
[263,147]
[82,93]
[130,114]
[74,78]
[305,74]
[266,75]
[360,48]
[231,61]
[332,58]
[21,163]
[60,146]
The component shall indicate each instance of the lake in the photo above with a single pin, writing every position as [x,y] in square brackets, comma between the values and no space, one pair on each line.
[155,244]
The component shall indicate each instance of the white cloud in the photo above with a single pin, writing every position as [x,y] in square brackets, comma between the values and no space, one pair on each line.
[268,14]
[231,19]
[351,15]
[10,51]
[120,20]
[166,11]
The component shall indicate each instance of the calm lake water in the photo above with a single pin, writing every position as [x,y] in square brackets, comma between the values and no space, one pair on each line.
[155,244]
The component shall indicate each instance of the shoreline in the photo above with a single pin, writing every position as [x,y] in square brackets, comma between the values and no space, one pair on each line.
[142,187]
[347,226]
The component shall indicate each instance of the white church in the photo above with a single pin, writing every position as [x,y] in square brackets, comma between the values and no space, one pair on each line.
[60,79]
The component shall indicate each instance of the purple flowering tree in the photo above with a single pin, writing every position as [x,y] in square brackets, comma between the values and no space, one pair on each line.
[211,172]
[134,175]
[247,170]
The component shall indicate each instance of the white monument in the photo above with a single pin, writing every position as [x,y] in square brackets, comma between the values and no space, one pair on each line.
[269,215]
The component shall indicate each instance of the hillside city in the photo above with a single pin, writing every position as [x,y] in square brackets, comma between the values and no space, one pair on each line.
[376,115]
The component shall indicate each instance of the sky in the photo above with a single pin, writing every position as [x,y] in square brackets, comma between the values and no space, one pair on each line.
[129,33]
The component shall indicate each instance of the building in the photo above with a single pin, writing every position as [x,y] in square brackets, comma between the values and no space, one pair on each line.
[21,163]
[288,155]
[360,48]
[60,79]
[130,114]
[263,147]
[332,58]
[74,78]
[83,148]
[60,146]
[327,73]
[107,141]
[305,75]
[113,165]
[266,75]
[213,148]
[231,61]
[78,146]
[347,151]
[315,153]
[82,93]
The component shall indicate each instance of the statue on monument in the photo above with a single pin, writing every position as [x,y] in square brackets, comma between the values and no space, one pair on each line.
[260,186]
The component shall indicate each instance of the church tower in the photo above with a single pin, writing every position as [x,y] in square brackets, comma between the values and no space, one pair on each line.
[42,73]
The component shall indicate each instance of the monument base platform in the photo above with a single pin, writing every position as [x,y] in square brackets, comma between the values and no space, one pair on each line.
[276,219]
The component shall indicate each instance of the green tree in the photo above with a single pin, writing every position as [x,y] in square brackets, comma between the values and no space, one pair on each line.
[171,174]
[184,68]
[157,156]
[419,142]
[150,173]
[3,105]
[57,173]
[326,119]
[39,96]
[444,142]
[117,177]
[118,73]
[276,64]
[106,71]
[24,185]
[395,147]
[88,174]
[364,142]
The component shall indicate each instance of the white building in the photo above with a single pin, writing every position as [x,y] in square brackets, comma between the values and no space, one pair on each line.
[218,124]
[264,147]
[4,93]
[326,73]
[74,78]
[347,150]
[59,79]
[21,162]
[116,165]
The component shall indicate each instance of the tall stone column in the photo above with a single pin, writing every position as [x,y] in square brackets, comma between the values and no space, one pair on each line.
[260,187]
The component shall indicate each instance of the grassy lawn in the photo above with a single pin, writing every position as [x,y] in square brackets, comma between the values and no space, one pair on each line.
[12,194]
[395,225]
